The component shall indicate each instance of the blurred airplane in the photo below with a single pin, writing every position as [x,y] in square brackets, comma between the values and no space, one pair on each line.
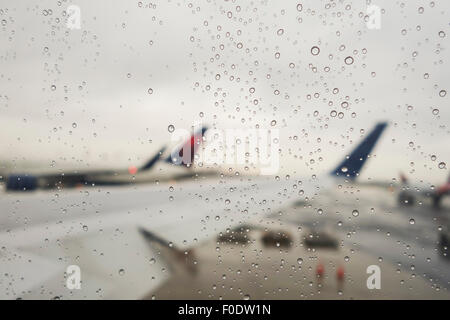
[173,167]
[409,193]
[113,243]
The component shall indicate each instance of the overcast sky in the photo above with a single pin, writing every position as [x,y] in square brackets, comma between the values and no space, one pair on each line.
[80,97]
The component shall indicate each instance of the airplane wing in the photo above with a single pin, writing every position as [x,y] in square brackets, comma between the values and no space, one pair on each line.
[122,238]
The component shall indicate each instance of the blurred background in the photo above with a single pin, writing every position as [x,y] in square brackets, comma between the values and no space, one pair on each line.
[91,91]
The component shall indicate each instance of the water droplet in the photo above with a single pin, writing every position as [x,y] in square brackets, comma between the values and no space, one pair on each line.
[315,51]
[349,60]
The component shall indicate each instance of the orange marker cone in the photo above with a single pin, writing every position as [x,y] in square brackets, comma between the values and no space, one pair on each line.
[320,271]
[340,276]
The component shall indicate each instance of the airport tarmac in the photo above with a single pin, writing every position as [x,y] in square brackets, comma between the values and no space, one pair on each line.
[337,234]
[379,233]
[228,271]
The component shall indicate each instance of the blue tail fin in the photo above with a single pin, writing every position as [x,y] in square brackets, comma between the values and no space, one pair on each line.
[153,160]
[351,166]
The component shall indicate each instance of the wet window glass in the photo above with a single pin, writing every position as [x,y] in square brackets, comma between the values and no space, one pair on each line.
[224,149]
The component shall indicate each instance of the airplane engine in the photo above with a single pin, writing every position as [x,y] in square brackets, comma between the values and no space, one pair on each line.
[406,198]
[21,182]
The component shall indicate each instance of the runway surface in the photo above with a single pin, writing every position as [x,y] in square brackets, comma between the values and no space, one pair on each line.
[331,240]
[370,229]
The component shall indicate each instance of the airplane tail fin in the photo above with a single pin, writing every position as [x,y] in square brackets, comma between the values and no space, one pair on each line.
[153,160]
[177,157]
[403,178]
[352,164]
